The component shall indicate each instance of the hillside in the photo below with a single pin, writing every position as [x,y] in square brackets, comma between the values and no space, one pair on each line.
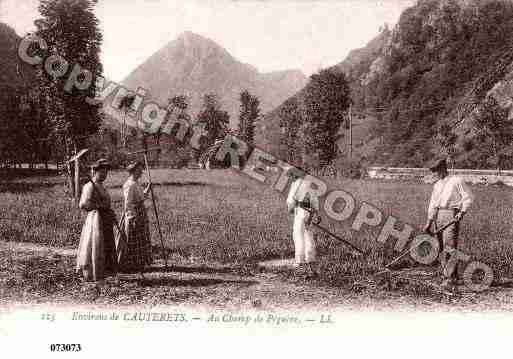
[194,65]
[17,122]
[433,84]
[15,73]
[355,66]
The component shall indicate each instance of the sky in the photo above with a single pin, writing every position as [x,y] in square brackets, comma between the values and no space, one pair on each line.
[271,35]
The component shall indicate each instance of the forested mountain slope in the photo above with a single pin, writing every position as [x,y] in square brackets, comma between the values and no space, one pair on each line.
[441,81]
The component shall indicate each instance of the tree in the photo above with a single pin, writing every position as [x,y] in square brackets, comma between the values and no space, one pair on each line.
[124,105]
[249,112]
[327,100]
[15,81]
[494,134]
[11,133]
[180,104]
[36,128]
[214,122]
[179,101]
[290,123]
[71,31]
[446,139]
[182,150]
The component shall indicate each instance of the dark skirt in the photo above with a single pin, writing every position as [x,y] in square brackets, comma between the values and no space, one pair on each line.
[109,245]
[137,253]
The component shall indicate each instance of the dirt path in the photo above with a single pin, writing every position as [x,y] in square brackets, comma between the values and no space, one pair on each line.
[32,273]
[32,247]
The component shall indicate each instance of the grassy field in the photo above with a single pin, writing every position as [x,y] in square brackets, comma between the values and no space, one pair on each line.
[223,217]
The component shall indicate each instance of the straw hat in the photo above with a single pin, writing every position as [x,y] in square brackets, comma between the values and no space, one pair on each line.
[437,163]
[133,166]
[101,163]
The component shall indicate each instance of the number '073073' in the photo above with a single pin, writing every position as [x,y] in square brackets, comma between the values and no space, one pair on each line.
[65,347]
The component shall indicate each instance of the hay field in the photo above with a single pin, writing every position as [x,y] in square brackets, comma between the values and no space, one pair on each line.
[222,216]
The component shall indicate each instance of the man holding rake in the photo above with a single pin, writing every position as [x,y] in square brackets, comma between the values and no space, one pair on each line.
[302,235]
[450,200]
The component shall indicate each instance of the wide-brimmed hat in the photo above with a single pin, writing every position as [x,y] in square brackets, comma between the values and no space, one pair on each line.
[101,163]
[437,163]
[133,165]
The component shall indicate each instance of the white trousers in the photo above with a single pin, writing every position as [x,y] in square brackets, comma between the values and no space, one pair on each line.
[304,244]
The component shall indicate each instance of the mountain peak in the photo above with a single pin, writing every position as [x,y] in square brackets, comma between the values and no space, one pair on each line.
[187,33]
[194,46]
[195,65]
[192,39]
[190,35]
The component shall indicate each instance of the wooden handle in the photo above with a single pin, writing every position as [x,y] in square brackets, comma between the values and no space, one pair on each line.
[147,168]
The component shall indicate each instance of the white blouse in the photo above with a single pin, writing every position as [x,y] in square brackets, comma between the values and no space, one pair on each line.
[293,196]
[94,197]
[450,192]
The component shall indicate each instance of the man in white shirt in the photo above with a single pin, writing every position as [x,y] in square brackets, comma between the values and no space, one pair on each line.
[450,200]
[304,243]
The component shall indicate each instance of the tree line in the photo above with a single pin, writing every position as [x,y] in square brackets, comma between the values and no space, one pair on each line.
[43,123]
[40,122]
[310,122]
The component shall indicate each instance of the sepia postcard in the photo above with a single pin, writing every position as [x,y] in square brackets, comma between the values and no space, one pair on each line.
[239,178]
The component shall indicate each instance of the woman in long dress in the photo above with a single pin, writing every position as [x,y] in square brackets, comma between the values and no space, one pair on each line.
[96,256]
[137,253]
